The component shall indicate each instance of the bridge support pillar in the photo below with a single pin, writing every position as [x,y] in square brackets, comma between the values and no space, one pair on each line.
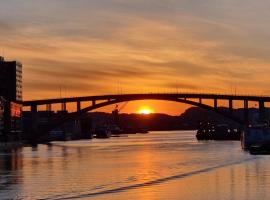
[200,100]
[231,106]
[215,104]
[93,103]
[262,111]
[49,107]
[78,106]
[63,106]
[246,113]
[33,134]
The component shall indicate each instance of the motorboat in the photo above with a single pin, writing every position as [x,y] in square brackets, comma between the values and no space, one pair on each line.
[256,138]
[102,132]
[208,131]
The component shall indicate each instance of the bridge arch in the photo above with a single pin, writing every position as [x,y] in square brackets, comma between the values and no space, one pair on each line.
[114,99]
[227,115]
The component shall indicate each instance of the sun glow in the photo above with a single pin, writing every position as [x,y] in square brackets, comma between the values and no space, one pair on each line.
[145,110]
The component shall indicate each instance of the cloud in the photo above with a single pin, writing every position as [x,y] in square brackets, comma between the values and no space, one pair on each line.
[86,70]
[93,45]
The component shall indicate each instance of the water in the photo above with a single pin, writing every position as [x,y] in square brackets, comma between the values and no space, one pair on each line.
[158,165]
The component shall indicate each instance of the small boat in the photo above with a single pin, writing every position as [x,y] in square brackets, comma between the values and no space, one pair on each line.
[103,132]
[115,130]
[256,138]
[208,131]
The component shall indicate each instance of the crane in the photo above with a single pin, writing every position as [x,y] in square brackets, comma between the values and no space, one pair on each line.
[116,111]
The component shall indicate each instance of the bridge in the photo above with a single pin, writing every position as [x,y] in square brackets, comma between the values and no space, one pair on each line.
[193,99]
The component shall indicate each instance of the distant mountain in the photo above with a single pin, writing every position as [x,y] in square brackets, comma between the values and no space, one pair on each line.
[188,120]
[155,121]
[192,116]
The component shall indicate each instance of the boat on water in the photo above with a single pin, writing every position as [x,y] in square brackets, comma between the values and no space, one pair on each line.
[256,139]
[208,131]
[115,130]
[102,132]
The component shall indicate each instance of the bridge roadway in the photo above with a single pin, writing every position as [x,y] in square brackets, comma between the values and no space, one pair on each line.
[154,96]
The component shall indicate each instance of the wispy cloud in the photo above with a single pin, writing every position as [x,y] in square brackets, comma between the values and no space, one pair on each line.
[92,46]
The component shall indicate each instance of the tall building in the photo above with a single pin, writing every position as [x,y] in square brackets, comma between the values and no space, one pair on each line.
[10,100]
[11,80]
[2,125]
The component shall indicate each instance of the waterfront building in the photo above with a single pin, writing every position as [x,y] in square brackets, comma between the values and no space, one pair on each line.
[11,80]
[1,117]
[10,101]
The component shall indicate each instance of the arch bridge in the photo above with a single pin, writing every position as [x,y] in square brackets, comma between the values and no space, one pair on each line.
[194,99]
[187,98]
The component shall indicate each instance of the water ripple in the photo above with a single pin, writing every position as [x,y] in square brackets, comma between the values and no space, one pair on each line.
[153,182]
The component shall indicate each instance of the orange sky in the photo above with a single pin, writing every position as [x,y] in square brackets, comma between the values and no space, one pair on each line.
[123,46]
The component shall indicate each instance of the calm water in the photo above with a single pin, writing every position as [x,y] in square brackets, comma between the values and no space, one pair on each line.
[158,165]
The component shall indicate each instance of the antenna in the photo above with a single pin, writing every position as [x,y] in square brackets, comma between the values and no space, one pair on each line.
[65,91]
[118,90]
[60,91]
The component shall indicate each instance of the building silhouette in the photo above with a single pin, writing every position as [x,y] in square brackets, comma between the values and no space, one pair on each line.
[10,98]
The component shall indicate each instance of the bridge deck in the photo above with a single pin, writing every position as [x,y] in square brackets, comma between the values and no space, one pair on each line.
[154,96]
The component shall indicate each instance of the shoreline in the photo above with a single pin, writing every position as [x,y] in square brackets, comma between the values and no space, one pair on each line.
[10,145]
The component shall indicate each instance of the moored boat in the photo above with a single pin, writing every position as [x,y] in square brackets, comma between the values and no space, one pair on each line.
[256,138]
[208,131]
[103,132]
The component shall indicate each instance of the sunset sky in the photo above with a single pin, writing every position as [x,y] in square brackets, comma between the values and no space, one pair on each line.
[91,47]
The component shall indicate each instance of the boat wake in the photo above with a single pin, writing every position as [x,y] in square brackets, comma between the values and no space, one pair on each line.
[148,183]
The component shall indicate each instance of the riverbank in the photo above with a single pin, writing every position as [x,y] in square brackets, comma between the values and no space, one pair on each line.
[10,145]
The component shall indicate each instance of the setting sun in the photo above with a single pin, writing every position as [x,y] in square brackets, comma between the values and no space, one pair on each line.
[145,110]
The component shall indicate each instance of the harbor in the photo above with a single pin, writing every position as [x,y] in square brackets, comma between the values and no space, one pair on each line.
[134,100]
